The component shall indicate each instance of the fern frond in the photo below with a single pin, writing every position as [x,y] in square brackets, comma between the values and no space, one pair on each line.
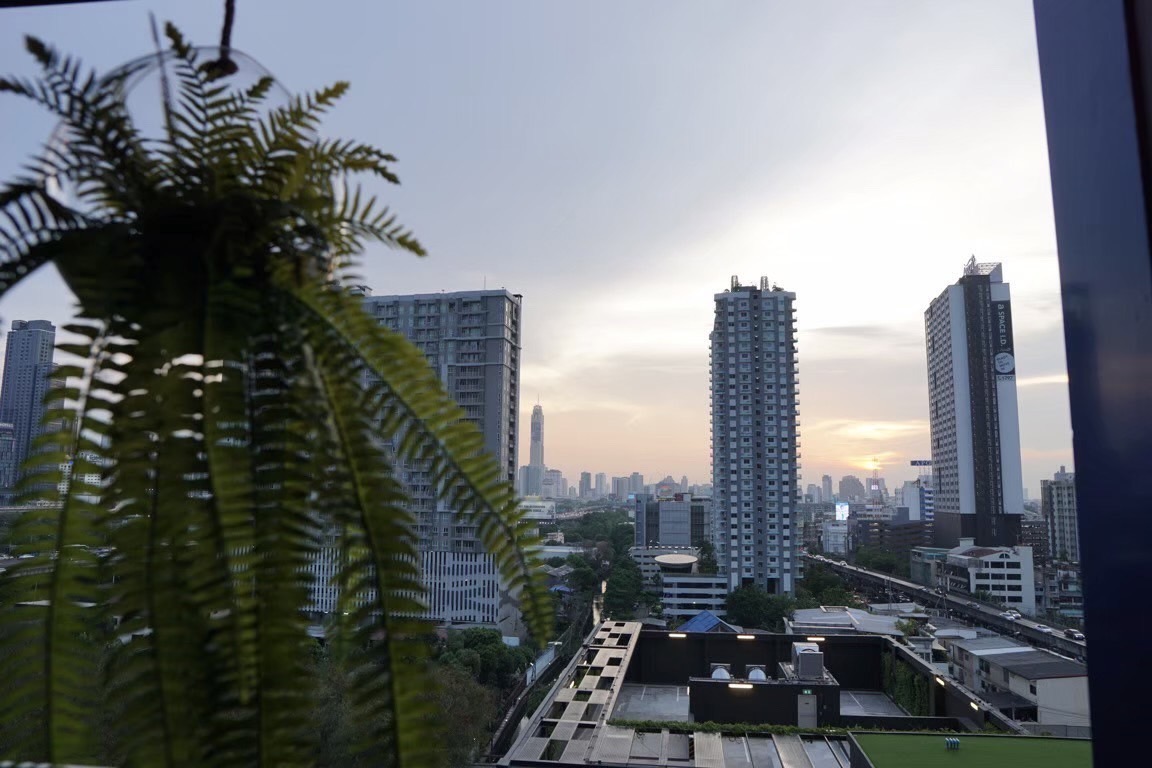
[430,427]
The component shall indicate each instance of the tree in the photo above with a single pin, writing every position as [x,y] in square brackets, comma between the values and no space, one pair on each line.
[622,592]
[747,606]
[708,558]
[216,392]
[779,607]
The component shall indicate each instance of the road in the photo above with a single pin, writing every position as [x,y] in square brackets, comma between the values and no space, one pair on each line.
[961,606]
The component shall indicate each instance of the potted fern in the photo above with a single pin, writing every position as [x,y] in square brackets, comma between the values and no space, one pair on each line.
[218,429]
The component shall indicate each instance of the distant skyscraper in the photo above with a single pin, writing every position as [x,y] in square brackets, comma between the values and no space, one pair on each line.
[684,484]
[585,485]
[601,484]
[472,340]
[536,448]
[637,482]
[826,488]
[813,493]
[851,488]
[27,377]
[754,420]
[1058,505]
[554,486]
[973,412]
[532,475]
[621,487]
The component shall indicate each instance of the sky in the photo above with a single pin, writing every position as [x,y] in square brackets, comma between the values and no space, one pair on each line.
[618,163]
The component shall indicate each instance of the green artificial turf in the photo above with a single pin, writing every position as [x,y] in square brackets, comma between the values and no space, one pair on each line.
[917,751]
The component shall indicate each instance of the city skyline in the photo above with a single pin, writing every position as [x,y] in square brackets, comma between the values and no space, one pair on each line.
[650,152]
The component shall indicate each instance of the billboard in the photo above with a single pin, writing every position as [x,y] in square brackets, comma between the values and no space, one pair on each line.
[1003,355]
[841,510]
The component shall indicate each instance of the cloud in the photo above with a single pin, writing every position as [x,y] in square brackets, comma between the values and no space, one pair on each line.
[1039,381]
[870,430]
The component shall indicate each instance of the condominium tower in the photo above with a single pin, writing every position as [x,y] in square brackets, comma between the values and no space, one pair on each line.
[754,439]
[972,411]
[1058,506]
[27,376]
[472,341]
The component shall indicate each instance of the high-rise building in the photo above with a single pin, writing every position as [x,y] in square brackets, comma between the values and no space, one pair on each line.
[536,447]
[851,489]
[813,493]
[671,522]
[754,419]
[683,483]
[636,482]
[973,412]
[532,474]
[601,485]
[585,485]
[621,487]
[826,488]
[1058,506]
[555,486]
[27,377]
[472,340]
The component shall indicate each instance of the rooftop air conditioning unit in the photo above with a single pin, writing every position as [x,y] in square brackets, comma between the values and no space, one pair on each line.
[807,661]
[721,671]
[756,673]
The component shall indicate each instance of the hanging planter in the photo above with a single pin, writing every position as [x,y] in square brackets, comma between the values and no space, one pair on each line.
[219,430]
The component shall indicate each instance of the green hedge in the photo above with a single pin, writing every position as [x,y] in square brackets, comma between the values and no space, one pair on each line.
[906,686]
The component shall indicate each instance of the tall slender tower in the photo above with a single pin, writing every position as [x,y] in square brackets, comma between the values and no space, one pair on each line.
[972,411]
[27,376]
[536,449]
[754,419]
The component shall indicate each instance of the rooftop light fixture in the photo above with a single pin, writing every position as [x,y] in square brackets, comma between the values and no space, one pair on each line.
[815,639]
[745,637]
[974,705]
[941,681]
[677,634]
[742,686]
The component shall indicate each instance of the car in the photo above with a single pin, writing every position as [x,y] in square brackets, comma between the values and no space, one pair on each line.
[1015,614]
[1008,617]
[1044,629]
[973,604]
[1073,634]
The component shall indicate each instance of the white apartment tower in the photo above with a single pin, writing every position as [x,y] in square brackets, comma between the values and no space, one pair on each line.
[472,341]
[973,412]
[755,465]
[1058,505]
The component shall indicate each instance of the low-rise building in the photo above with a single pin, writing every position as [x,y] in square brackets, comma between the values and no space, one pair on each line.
[1024,683]
[645,558]
[1055,688]
[926,565]
[1005,573]
[836,536]
[838,620]
[1059,591]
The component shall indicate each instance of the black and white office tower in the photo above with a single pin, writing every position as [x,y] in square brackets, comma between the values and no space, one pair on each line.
[754,441]
[973,412]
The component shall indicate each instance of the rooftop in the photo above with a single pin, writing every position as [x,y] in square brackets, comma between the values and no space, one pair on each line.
[1037,665]
[706,621]
[983,645]
[839,617]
